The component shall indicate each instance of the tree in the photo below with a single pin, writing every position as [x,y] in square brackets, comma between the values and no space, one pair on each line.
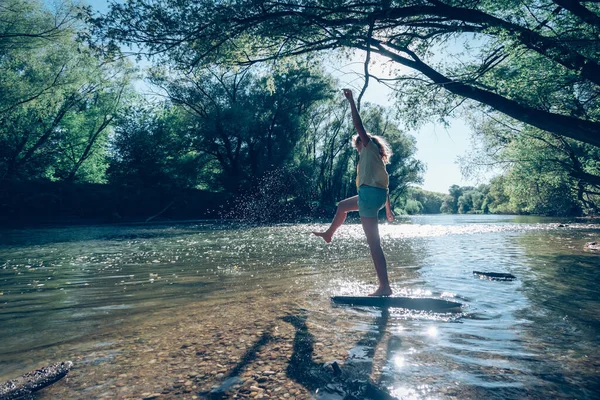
[558,35]
[544,173]
[450,203]
[249,121]
[497,199]
[431,201]
[26,28]
[58,100]
[412,206]
[83,144]
[151,149]
[426,202]
[26,25]
[470,201]
[328,152]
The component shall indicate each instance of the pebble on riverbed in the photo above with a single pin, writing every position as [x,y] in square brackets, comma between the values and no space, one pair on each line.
[592,246]
[240,351]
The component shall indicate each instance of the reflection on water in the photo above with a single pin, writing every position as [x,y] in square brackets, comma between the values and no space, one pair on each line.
[71,292]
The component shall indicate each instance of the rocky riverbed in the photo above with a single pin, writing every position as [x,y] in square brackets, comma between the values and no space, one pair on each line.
[260,349]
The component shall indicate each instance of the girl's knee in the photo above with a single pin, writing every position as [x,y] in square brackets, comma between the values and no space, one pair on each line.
[341,209]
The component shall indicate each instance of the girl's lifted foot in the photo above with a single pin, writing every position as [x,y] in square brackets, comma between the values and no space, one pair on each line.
[382,292]
[326,236]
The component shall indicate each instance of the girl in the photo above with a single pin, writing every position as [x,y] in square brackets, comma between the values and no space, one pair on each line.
[372,184]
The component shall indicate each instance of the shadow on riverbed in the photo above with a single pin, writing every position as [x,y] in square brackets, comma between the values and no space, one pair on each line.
[323,380]
[352,381]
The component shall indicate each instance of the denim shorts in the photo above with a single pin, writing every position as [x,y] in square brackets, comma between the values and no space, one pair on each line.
[370,200]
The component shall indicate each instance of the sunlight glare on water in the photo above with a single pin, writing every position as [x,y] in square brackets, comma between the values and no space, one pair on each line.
[534,337]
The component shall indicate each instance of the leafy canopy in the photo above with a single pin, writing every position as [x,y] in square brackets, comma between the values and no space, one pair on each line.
[555,38]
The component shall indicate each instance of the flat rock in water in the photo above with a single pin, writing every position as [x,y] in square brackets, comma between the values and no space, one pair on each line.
[412,303]
[495,276]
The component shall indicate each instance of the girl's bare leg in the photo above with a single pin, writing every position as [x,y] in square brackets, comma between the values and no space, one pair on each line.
[371,229]
[344,206]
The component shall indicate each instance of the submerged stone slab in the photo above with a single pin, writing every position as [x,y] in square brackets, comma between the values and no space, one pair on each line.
[412,303]
[495,276]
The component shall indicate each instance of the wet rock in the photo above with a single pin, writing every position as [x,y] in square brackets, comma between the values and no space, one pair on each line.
[592,246]
[25,385]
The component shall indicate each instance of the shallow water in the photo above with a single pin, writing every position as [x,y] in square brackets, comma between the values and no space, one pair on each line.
[99,294]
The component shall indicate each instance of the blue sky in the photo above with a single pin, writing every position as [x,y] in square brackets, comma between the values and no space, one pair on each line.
[437,146]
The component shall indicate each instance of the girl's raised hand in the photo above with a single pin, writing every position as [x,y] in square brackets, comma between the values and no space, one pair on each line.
[348,94]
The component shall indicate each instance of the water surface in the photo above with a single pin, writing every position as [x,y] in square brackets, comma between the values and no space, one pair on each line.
[106,295]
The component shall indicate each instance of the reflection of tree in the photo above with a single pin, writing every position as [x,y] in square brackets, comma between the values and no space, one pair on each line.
[560,284]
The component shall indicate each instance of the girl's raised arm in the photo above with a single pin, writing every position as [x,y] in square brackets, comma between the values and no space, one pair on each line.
[358,125]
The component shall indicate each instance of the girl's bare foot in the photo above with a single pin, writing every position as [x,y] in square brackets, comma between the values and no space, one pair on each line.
[326,236]
[382,292]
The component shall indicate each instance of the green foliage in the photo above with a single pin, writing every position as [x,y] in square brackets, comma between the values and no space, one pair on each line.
[419,201]
[537,189]
[412,207]
[149,149]
[248,121]
[468,200]
[328,153]
[537,63]
[255,121]
[544,173]
[450,202]
[276,132]
[497,200]
[29,25]
[58,98]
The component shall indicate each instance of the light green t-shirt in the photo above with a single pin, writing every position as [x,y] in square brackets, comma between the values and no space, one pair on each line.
[371,169]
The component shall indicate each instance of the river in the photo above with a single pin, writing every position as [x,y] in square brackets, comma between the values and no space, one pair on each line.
[226,310]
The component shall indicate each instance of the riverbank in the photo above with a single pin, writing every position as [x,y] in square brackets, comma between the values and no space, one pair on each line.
[60,203]
[45,203]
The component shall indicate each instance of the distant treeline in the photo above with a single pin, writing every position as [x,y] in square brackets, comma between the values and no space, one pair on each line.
[492,198]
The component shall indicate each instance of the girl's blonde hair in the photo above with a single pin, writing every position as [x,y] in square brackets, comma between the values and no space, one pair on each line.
[385,151]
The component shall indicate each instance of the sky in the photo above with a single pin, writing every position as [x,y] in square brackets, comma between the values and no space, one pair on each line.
[438,147]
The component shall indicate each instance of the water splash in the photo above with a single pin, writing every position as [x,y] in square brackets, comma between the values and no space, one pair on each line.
[280,195]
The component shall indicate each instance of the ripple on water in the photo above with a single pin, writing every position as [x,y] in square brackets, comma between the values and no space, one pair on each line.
[195,296]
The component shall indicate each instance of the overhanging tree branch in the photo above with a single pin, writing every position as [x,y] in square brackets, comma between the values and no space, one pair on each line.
[580,11]
[275,29]
[586,131]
